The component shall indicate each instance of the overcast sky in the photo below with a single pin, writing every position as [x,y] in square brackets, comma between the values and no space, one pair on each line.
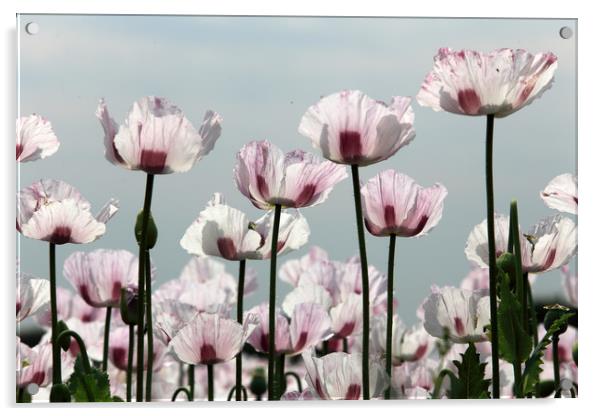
[261,74]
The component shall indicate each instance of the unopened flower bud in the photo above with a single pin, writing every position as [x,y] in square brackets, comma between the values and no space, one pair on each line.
[151,232]
[505,263]
[128,306]
[555,312]
[259,384]
[59,393]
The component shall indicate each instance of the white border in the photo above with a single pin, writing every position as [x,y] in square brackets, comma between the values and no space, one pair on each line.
[589,159]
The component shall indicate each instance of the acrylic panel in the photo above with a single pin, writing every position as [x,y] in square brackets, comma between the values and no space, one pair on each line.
[295,208]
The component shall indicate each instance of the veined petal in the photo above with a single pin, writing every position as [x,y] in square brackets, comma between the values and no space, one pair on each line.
[35,138]
[561,193]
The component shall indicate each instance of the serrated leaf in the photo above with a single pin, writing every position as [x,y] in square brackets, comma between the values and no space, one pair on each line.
[533,364]
[92,386]
[470,383]
[515,344]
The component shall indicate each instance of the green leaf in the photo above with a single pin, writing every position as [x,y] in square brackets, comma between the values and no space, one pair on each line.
[89,387]
[515,344]
[533,364]
[470,383]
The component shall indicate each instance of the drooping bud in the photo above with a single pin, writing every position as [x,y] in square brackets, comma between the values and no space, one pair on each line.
[128,306]
[258,385]
[553,313]
[64,342]
[59,393]
[151,232]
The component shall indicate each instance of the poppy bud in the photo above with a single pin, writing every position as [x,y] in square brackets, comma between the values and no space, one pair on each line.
[544,388]
[64,342]
[128,306]
[59,393]
[151,232]
[505,262]
[555,312]
[259,384]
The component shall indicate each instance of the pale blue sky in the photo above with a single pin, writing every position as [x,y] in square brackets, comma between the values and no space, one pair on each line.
[261,73]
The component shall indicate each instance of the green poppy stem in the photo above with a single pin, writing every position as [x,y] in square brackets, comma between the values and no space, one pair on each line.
[56,351]
[148,195]
[532,311]
[128,380]
[495,365]
[390,281]
[149,327]
[520,291]
[365,284]
[281,380]
[297,380]
[180,390]
[81,345]
[239,312]
[105,346]
[210,382]
[191,381]
[272,305]
[556,359]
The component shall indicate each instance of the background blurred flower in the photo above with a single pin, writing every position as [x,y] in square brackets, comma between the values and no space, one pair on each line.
[462,314]
[338,376]
[561,193]
[570,285]
[156,137]
[211,339]
[548,245]
[474,83]
[35,138]
[99,275]
[267,176]
[309,325]
[33,295]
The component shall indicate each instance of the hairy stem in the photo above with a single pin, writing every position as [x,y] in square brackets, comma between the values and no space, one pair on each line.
[495,369]
[239,311]
[105,346]
[148,195]
[390,281]
[365,284]
[272,306]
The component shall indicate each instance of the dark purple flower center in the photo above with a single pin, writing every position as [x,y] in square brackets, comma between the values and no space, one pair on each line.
[420,351]
[350,146]
[152,161]
[469,101]
[301,341]
[390,216]
[226,248]
[306,195]
[208,354]
[60,235]
[459,326]
[19,150]
[347,329]
[120,358]
[262,187]
[353,392]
